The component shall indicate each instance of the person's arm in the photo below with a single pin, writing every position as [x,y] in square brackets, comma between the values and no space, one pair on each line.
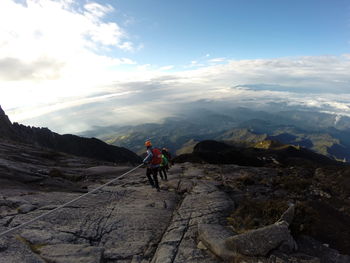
[148,157]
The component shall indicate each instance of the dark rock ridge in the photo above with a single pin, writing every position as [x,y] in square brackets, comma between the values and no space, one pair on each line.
[215,152]
[6,129]
[72,144]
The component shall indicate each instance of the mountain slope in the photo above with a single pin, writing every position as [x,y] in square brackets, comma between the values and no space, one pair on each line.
[201,210]
[72,144]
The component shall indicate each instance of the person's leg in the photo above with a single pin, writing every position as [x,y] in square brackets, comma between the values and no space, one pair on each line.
[165,175]
[161,172]
[155,178]
[148,174]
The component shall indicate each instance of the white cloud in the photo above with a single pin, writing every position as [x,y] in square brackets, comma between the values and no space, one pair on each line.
[53,28]
[317,74]
[52,48]
[216,60]
[128,46]
[166,68]
[96,10]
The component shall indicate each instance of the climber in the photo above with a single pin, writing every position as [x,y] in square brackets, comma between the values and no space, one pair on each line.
[152,161]
[167,154]
[164,167]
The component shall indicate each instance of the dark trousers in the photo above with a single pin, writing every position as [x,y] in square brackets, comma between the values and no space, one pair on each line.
[162,173]
[153,172]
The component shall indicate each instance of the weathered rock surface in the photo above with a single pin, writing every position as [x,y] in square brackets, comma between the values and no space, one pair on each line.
[203,205]
[129,221]
[214,237]
[261,241]
[63,253]
[116,224]
[126,222]
[15,250]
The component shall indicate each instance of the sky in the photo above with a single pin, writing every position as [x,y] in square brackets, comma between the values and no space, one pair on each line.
[73,64]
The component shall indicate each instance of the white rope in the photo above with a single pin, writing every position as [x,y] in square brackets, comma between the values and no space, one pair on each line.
[68,203]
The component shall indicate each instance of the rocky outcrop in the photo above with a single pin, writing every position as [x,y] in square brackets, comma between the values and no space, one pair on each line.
[117,224]
[204,204]
[215,152]
[75,145]
[71,144]
[6,130]
[213,237]
[250,246]
[43,168]
[262,241]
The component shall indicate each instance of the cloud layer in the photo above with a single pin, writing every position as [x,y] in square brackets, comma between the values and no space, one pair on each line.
[129,102]
[298,83]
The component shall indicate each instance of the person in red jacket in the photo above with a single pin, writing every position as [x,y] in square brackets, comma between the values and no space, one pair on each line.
[153,161]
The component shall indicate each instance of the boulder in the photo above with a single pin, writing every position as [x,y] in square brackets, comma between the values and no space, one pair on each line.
[261,241]
[213,236]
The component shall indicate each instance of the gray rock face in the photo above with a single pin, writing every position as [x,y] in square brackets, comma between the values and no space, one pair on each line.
[214,237]
[63,253]
[261,241]
[130,221]
[126,222]
[26,208]
[203,205]
[13,250]
[110,226]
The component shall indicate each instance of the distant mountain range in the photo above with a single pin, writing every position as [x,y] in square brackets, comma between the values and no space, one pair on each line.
[68,143]
[324,133]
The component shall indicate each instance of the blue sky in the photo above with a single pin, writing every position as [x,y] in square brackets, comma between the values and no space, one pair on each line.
[176,32]
[72,64]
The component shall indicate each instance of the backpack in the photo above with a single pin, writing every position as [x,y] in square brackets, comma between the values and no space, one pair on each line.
[157,156]
[164,160]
